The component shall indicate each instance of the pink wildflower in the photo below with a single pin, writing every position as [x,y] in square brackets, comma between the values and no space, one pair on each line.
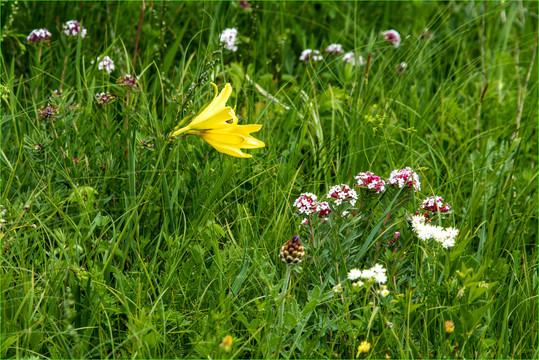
[39,35]
[306,203]
[394,240]
[244,4]
[405,177]
[334,49]
[322,208]
[73,28]
[128,81]
[104,98]
[370,181]
[342,193]
[393,37]
[435,204]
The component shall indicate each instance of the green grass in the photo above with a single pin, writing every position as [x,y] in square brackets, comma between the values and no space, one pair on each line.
[151,248]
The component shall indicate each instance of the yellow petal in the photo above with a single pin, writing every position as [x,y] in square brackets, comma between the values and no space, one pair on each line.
[228,149]
[223,137]
[215,120]
[221,100]
[218,103]
[252,143]
[247,129]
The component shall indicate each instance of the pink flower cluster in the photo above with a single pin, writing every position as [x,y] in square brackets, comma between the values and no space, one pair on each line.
[342,193]
[306,203]
[73,28]
[128,81]
[393,37]
[435,204]
[404,177]
[104,98]
[39,35]
[370,181]
[323,209]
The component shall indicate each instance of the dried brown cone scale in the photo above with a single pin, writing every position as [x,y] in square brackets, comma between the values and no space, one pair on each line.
[292,252]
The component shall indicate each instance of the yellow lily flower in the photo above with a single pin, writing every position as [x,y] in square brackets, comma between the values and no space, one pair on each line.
[214,116]
[231,139]
[218,125]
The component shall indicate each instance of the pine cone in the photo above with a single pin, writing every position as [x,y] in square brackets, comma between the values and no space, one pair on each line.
[292,251]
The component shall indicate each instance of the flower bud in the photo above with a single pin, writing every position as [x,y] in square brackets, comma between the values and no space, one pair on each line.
[292,252]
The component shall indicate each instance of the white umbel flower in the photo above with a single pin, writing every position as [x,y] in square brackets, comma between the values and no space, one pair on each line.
[228,37]
[444,236]
[334,49]
[106,64]
[354,274]
[309,54]
[73,28]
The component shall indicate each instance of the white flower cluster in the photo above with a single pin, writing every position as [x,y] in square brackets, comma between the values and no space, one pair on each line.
[350,58]
[106,63]
[73,27]
[228,37]
[376,273]
[342,193]
[424,231]
[39,35]
[309,54]
[334,49]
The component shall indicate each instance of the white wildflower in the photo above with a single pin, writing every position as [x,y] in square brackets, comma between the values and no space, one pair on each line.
[309,54]
[228,37]
[105,64]
[354,274]
[334,49]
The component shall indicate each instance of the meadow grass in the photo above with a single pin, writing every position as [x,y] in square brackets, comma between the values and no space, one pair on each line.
[118,242]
